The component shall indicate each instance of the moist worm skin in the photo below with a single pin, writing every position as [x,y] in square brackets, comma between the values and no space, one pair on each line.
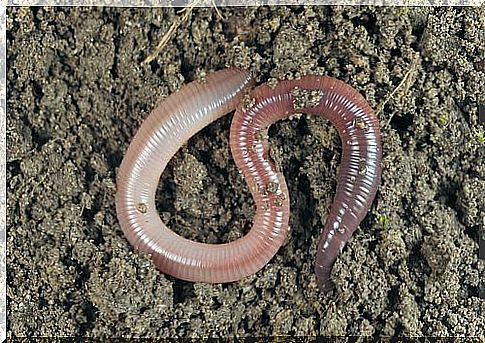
[166,129]
[360,170]
[196,105]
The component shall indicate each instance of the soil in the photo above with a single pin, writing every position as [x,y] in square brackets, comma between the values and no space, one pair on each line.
[78,90]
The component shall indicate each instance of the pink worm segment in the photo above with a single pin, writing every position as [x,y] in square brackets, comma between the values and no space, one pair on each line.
[360,169]
[196,105]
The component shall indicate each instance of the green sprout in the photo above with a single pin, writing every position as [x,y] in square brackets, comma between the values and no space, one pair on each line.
[479,136]
[383,220]
[443,120]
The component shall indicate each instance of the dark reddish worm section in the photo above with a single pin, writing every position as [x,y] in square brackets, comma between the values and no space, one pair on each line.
[360,170]
[196,105]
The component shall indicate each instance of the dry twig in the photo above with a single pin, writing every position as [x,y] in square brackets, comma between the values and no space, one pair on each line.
[405,82]
[187,11]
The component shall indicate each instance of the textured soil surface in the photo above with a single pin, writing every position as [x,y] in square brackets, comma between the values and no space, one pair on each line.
[78,90]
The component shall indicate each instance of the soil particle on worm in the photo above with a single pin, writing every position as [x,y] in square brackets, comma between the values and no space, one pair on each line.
[78,91]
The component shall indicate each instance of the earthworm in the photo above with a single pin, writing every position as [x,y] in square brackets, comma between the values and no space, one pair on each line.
[359,173]
[197,104]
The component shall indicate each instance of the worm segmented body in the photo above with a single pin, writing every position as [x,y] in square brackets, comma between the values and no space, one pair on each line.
[360,170]
[196,105]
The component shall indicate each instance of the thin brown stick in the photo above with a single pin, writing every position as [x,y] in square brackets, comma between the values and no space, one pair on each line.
[187,10]
[404,82]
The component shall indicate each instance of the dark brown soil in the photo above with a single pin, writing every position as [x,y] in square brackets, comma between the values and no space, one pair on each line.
[77,91]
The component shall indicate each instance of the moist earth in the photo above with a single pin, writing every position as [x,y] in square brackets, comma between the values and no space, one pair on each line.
[78,90]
